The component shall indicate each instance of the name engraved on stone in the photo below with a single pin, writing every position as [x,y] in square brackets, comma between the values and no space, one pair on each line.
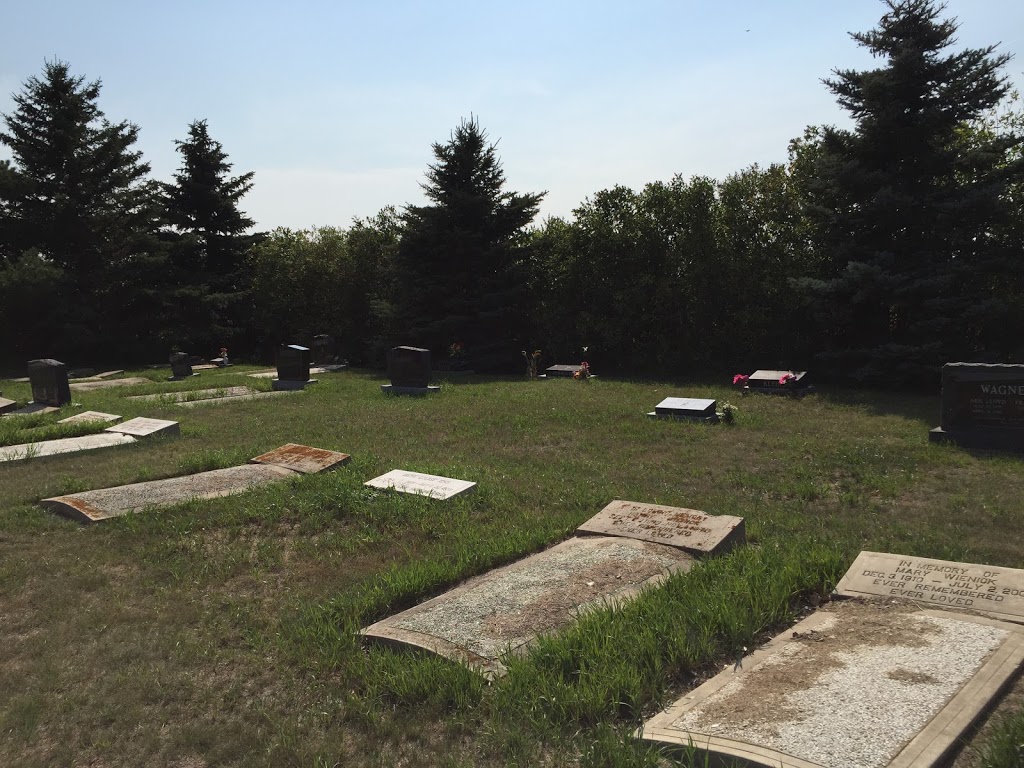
[434,486]
[302,458]
[687,529]
[988,589]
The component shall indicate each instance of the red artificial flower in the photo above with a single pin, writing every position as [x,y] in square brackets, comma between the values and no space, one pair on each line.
[739,378]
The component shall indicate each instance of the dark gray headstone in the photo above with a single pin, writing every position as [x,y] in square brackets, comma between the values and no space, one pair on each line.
[982,406]
[49,380]
[181,365]
[293,363]
[324,349]
[409,367]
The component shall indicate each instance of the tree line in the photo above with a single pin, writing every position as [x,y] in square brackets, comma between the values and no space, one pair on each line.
[874,254]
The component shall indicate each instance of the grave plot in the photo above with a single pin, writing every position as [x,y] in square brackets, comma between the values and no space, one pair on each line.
[687,529]
[859,684]
[196,394]
[88,386]
[236,398]
[434,486]
[120,434]
[286,462]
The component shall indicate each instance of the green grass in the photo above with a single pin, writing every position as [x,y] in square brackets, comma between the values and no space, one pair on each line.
[225,631]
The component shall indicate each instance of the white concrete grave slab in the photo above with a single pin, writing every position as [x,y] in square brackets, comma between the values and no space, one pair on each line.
[32,408]
[689,529]
[434,486]
[858,684]
[142,427]
[88,386]
[7,405]
[236,398]
[196,394]
[63,445]
[87,416]
[507,609]
[992,590]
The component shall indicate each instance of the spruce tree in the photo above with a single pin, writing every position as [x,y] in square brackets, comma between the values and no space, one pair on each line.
[462,258]
[907,209]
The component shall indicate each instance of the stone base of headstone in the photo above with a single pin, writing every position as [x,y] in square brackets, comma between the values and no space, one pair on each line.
[283,385]
[1011,440]
[181,378]
[713,419]
[787,392]
[391,389]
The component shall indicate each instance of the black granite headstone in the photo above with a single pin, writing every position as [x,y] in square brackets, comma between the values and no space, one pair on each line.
[324,349]
[293,363]
[49,380]
[409,367]
[181,365]
[982,406]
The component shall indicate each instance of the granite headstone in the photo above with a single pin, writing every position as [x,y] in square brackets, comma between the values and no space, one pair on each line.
[293,363]
[49,380]
[982,406]
[181,365]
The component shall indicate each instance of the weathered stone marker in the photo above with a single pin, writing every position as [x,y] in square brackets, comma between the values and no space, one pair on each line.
[142,427]
[686,409]
[292,368]
[982,406]
[688,529]
[197,394]
[409,370]
[79,418]
[858,684]
[181,366]
[324,349]
[434,486]
[62,445]
[49,380]
[302,458]
[988,589]
[129,381]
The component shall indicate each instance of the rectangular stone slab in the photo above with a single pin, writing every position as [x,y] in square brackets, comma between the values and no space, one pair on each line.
[142,427]
[197,394]
[858,684]
[563,371]
[31,408]
[7,405]
[63,445]
[78,418]
[87,386]
[102,504]
[506,609]
[690,406]
[434,486]
[688,529]
[993,590]
[237,398]
[302,458]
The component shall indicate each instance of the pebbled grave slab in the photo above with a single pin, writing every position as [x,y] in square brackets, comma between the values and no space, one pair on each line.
[142,427]
[197,394]
[88,386]
[434,486]
[63,445]
[302,458]
[508,608]
[993,590]
[105,503]
[78,418]
[688,529]
[237,398]
[859,684]
[686,408]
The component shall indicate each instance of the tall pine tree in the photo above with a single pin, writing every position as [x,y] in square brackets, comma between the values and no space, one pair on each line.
[462,258]
[907,209]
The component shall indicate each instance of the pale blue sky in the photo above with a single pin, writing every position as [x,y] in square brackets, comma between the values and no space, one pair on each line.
[335,105]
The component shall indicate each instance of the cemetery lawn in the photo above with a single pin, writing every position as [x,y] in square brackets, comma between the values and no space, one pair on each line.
[223,632]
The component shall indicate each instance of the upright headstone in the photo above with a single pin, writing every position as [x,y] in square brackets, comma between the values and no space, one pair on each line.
[49,380]
[292,367]
[982,406]
[409,371]
[181,366]
[324,349]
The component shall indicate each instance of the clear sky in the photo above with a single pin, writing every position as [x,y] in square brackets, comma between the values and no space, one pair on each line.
[335,105]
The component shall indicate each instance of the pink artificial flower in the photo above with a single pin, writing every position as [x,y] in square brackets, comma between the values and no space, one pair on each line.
[786,377]
[739,378]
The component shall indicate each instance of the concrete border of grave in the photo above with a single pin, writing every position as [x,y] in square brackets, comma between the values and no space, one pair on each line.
[694,409]
[62,446]
[982,406]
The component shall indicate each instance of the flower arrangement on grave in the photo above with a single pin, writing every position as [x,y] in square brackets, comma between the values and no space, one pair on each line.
[532,362]
[583,373]
[729,413]
[785,378]
[740,380]
[457,356]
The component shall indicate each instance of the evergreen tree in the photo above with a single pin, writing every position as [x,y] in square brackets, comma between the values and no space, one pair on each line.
[462,258]
[209,241]
[907,210]
[80,201]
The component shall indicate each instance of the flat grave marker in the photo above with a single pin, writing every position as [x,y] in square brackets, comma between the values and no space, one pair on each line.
[63,445]
[88,386]
[779,382]
[982,406]
[85,416]
[236,398]
[858,684]
[563,371]
[688,529]
[434,486]
[506,609]
[687,409]
[143,427]
[992,590]
[31,408]
[302,458]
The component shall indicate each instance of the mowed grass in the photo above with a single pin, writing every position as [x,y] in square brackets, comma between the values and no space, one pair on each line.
[223,632]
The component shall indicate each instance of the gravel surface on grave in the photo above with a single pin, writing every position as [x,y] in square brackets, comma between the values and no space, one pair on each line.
[88,386]
[63,445]
[197,394]
[856,692]
[507,608]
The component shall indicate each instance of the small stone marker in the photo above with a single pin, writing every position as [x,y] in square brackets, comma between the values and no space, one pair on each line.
[687,409]
[49,380]
[63,445]
[423,485]
[854,685]
[563,371]
[7,405]
[302,458]
[780,383]
[688,529]
[88,386]
[988,589]
[982,406]
[78,418]
[181,366]
[506,609]
[409,371]
[142,427]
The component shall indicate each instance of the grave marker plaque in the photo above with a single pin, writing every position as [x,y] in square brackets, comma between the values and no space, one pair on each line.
[302,458]
[49,380]
[181,365]
[142,427]
[982,406]
[687,529]
[420,484]
[687,409]
[89,416]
